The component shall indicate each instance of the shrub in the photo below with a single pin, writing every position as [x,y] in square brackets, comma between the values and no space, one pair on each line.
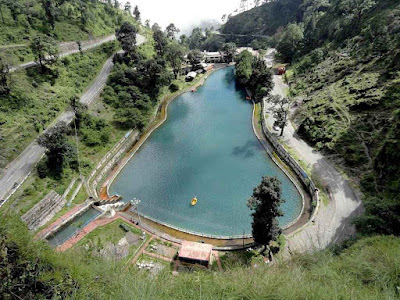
[174,87]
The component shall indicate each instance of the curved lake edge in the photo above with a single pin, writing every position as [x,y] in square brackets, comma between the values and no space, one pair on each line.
[157,122]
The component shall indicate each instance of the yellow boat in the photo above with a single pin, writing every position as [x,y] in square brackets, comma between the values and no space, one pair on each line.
[194,201]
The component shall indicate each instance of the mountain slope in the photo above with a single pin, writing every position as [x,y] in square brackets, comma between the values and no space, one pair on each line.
[266,19]
[65,20]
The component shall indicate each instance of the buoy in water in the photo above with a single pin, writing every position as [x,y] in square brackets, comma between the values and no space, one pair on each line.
[194,201]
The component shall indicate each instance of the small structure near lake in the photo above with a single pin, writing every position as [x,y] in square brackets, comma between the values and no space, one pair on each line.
[195,253]
[190,76]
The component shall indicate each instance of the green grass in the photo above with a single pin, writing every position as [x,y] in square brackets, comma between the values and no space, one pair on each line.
[368,269]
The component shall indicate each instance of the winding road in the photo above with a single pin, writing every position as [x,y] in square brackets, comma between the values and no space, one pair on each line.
[18,170]
[332,223]
[68,48]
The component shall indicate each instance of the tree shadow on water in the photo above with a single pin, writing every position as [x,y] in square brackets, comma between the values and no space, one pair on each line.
[247,150]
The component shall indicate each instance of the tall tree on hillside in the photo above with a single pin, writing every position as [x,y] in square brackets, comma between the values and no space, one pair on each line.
[147,23]
[126,35]
[58,150]
[356,9]
[1,11]
[161,42]
[265,202]
[4,78]
[290,42]
[195,57]
[50,11]
[196,38]
[172,30]
[45,50]
[156,27]
[184,40]
[175,54]
[136,13]
[128,7]
[15,9]
[280,110]
[229,50]
[116,4]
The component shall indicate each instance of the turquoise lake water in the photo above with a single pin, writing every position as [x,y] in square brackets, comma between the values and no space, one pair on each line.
[205,149]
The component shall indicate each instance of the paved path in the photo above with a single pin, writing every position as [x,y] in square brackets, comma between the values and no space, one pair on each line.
[333,220]
[18,170]
[68,48]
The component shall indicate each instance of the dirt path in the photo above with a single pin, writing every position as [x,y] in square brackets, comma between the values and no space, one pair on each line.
[333,220]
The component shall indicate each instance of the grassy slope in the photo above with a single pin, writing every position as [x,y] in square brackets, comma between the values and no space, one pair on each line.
[369,269]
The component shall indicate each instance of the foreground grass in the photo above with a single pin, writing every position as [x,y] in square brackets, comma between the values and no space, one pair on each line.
[369,269]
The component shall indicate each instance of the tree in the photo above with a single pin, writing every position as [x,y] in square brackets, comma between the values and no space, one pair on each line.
[126,35]
[136,13]
[265,202]
[280,110]
[15,9]
[156,27]
[244,67]
[195,57]
[260,82]
[116,4]
[50,11]
[230,51]
[147,23]
[174,54]
[184,40]
[160,41]
[45,50]
[1,11]
[4,77]
[58,150]
[172,31]
[128,7]
[79,43]
[290,42]
[357,9]
[196,38]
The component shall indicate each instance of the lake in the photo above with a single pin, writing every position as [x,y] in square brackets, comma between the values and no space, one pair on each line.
[206,149]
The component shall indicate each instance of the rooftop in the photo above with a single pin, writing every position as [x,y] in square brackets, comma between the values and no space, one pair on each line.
[195,251]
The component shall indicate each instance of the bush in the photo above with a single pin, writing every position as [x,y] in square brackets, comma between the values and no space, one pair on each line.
[42,168]
[174,87]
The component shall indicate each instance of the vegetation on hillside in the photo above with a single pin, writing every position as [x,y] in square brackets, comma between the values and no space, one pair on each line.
[344,77]
[64,20]
[264,20]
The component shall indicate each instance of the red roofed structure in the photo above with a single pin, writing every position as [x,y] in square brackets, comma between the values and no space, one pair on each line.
[195,253]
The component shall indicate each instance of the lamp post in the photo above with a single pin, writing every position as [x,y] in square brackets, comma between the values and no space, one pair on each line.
[135,204]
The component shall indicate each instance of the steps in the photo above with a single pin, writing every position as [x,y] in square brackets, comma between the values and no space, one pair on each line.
[43,211]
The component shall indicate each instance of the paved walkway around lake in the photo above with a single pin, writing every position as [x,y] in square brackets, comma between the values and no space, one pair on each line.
[333,220]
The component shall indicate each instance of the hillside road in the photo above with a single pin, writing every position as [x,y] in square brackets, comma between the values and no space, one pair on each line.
[332,223]
[18,170]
